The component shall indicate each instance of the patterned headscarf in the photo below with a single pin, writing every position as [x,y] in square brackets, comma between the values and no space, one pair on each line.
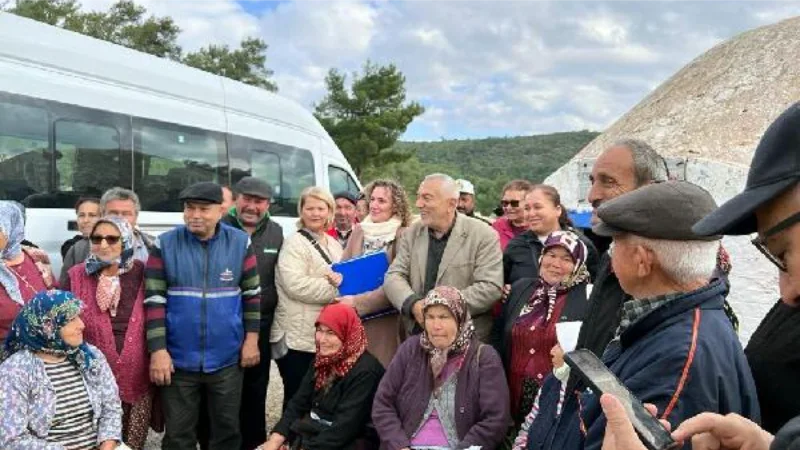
[38,328]
[12,224]
[452,299]
[108,287]
[546,292]
[344,321]
[94,264]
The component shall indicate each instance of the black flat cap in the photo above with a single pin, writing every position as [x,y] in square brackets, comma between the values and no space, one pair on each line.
[255,187]
[775,168]
[349,196]
[203,192]
[658,211]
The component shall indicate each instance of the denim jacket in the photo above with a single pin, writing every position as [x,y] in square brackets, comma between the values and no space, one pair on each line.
[28,402]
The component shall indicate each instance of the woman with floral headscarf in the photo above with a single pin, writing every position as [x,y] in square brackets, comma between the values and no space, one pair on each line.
[331,409]
[20,277]
[111,285]
[443,389]
[56,391]
[525,332]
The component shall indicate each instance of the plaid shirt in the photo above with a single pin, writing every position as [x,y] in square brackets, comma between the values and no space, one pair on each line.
[637,309]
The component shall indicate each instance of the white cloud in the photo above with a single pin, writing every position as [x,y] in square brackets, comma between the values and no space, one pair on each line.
[480,67]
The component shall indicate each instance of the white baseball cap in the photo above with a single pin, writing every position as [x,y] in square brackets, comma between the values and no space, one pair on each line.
[465,187]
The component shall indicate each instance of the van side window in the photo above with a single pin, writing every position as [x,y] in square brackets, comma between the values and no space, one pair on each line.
[87,157]
[24,156]
[168,158]
[287,169]
[341,181]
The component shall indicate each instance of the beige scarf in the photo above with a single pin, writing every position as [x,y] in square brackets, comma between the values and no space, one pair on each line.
[378,236]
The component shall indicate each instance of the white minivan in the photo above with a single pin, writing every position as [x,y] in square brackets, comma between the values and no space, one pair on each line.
[79,116]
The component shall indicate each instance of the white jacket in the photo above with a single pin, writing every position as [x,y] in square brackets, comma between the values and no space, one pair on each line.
[302,290]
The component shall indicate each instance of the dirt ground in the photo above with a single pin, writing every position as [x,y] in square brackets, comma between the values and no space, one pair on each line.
[272,409]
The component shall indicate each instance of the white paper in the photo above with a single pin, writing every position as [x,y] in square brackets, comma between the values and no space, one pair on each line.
[567,334]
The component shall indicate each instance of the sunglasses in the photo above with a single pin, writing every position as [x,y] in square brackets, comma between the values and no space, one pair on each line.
[110,240]
[511,203]
[760,242]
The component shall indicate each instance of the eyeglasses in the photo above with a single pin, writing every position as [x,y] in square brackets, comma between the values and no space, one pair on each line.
[760,242]
[511,203]
[110,240]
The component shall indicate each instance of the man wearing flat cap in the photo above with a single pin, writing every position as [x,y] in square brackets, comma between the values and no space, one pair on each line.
[250,213]
[675,346]
[344,217]
[202,300]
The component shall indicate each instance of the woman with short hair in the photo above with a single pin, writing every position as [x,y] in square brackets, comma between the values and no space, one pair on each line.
[306,283]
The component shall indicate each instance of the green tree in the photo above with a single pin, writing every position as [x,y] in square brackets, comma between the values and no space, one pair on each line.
[128,24]
[245,64]
[367,121]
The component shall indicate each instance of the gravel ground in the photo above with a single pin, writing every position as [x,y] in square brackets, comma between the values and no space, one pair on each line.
[272,408]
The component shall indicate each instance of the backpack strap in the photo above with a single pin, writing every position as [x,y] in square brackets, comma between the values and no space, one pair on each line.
[316,245]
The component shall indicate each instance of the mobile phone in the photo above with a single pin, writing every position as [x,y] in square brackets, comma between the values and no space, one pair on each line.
[603,381]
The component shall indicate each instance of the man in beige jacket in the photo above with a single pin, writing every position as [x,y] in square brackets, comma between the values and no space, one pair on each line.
[445,248]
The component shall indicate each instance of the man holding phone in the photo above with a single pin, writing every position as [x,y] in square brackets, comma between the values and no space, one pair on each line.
[675,347]
[770,206]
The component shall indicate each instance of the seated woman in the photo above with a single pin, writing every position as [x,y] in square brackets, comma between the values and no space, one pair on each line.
[111,285]
[525,331]
[20,276]
[332,407]
[443,389]
[56,391]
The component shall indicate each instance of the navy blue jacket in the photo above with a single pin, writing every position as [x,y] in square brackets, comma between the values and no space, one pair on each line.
[690,335]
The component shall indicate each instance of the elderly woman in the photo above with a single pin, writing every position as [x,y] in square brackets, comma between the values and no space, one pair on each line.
[87,211]
[56,392]
[443,389]
[331,409]
[111,284]
[544,214]
[20,277]
[389,215]
[525,332]
[305,283]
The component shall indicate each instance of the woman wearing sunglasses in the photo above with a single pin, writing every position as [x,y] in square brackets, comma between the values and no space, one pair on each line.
[111,285]
[513,223]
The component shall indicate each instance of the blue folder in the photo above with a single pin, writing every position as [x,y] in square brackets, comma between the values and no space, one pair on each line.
[362,274]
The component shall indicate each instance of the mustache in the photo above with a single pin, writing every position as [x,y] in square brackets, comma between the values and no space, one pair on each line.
[596,204]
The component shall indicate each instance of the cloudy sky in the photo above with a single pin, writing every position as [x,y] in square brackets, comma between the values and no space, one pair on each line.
[491,68]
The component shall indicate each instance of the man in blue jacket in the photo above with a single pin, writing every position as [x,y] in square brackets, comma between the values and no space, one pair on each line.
[675,346]
[203,315]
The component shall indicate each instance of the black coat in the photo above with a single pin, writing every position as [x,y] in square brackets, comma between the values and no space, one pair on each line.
[267,241]
[346,404]
[774,356]
[521,257]
[521,291]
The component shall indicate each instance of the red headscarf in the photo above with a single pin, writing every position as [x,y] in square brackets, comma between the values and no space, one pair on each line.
[344,321]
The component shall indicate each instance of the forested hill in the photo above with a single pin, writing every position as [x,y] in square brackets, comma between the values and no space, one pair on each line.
[488,163]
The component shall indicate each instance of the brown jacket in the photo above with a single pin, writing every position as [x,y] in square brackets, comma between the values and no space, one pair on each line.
[472,262]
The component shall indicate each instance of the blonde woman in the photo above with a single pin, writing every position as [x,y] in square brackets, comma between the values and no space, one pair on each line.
[389,215]
[305,285]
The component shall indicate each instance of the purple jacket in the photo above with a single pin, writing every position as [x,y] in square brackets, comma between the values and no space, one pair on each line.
[482,403]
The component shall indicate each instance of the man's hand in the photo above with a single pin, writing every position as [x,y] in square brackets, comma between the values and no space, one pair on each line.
[715,432]
[250,354]
[419,316]
[504,292]
[161,368]
[620,434]
[349,300]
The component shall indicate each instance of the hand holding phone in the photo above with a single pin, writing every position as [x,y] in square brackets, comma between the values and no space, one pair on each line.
[603,381]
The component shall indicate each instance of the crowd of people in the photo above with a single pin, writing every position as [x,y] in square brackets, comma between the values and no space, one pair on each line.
[459,348]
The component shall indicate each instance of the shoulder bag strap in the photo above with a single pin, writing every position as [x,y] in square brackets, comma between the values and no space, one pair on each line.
[316,245]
